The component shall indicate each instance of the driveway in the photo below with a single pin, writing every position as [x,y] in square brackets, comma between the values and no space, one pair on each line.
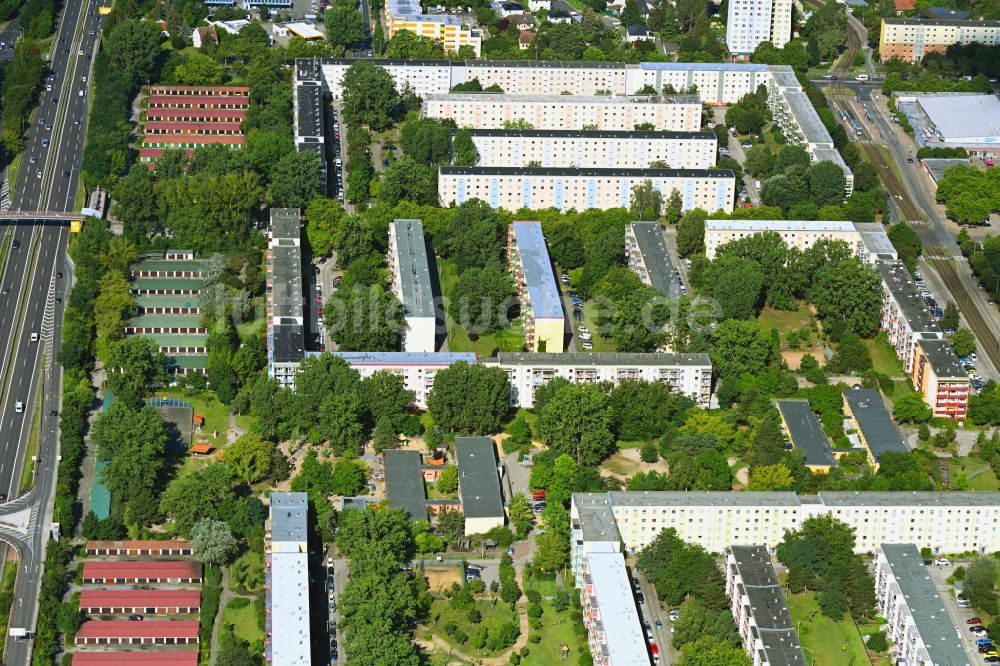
[650,612]
[958,615]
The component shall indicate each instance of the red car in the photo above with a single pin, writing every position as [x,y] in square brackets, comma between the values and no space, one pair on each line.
[653,648]
[540,495]
[974,620]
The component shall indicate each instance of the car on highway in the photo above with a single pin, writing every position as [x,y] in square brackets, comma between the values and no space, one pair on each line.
[32,159]
[18,406]
[909,160]
[38,175]
[6,290]
[16,244]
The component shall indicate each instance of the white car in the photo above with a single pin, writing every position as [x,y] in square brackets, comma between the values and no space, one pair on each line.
[586,337]
[587,346]
[583,329]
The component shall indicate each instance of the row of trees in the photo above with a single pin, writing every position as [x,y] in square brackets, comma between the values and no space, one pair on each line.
[22,80]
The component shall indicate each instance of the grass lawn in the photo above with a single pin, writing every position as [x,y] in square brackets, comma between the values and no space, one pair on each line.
[884,359]
[492,617]
[601,343]
[557,630]
[215,413]
[899,389]
[826,642]
[621,465]
[239,613]
[784,320]
[984,481]
[458,338]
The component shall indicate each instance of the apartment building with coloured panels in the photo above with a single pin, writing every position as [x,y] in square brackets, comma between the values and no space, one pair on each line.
[512,188]
[918,625]
[189,117]
[614,632]
[759,608]
[411,283]
[679,113]
[869,240]
[542,316]
[945,522]
[607,149]
[911,39]
[751,22]
[451,31]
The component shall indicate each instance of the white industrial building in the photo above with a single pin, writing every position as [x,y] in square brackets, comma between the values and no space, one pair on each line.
[751,22]
[411,283]
[945,522]
[286,563]
[512,188]
[679,113]
[607,149]
[918,627]
[690,374]
[759,608]
[954,120]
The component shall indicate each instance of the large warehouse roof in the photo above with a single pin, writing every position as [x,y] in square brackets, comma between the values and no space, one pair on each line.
[961,116]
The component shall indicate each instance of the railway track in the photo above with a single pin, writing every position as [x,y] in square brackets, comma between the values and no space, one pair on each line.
[934,252]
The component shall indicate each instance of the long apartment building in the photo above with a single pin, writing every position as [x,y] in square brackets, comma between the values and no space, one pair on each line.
[759,608]
[688,374]
[309,112]
[614,632]
[912,39]
[451,31]
[919,342]
[751,22]
[607,149]
[679,113]
[189,117]
[542,316]
[871,425]
[411,283]
[285,299]
[867,239]
[799,122]
[286,581]
[582,189]
[945,522]
[647,256]
[918,625]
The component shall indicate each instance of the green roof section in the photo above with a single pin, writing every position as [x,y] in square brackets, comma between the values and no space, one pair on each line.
[165,301]
[166,320]
[171,265]
[187,362]
[173,340]
[168,283]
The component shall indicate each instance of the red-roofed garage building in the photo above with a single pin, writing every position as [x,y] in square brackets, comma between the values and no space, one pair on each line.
[153,602]
[149,632]
[135,658]
[181,572]
[150,548]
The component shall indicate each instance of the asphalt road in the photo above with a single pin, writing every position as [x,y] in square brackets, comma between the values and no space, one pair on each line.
[8,36]
[55,143]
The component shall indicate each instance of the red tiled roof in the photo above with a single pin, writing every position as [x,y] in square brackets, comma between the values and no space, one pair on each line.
[137,544]
[183,101]
[166,90]
[228,139]
[140,569]
[179,126]
[144,629]
[175,658]
[208,115]
[902,5]
[136,598]
[202,448]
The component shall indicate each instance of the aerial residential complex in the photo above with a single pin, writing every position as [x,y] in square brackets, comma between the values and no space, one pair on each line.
[582,189]
[621,149]
[945,522]
[542,316]
[188,117]
[689,374]
[871,423]
[285,300]
[714,83]
[678,113]
[647,256]
[751,22]
[759,608]
[917,621]
[912,39]
[411,283]
[451,31]
[805,432]
[286,575]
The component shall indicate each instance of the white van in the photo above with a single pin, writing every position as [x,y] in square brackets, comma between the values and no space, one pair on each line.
[18,406]
[861,77]
[34,337]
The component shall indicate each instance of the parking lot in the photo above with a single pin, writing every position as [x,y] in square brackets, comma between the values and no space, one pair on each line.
[959,616]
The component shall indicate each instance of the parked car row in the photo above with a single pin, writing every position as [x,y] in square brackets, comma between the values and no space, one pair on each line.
[331,591]
[338,160]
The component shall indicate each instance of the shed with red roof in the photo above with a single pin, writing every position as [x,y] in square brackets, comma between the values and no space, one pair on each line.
[161,602]
[135,658]
[135,572]
[139,547]
[150,632]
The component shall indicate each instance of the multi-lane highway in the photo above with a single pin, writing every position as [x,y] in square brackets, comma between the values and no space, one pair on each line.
[33,286]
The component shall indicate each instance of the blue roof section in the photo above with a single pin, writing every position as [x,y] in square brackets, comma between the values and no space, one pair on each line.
[405,358]
[538,277]
[704,66]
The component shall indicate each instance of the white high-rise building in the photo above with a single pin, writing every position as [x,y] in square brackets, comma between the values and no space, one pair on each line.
[754,21]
